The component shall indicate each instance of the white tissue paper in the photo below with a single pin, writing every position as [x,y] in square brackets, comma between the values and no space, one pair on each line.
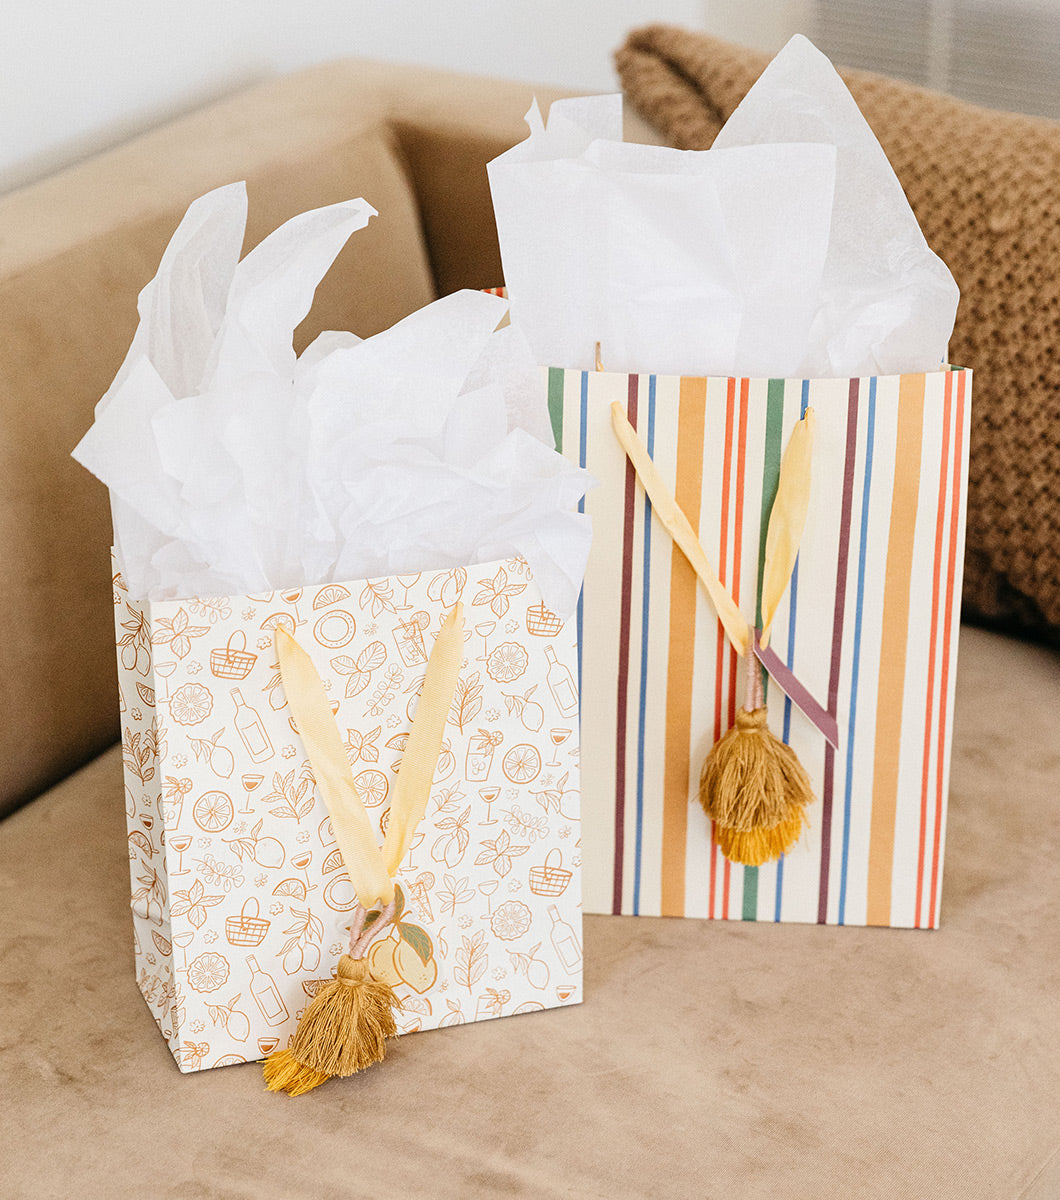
[787,250]
[235,466]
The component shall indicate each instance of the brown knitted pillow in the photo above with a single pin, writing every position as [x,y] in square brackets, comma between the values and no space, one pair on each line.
[985,187]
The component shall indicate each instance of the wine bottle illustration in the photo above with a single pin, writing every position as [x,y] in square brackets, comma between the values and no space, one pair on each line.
[561,684]
[250,729]
[266,994]
[564,940]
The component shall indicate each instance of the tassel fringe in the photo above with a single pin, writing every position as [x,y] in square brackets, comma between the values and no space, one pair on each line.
[754,789]
[343,1030]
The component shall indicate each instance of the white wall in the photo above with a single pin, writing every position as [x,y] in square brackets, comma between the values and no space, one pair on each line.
[80,75]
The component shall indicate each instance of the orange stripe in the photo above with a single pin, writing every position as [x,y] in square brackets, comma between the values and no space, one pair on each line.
[925,769]
[951,570]
[889,695]
[719,654]
[680,655]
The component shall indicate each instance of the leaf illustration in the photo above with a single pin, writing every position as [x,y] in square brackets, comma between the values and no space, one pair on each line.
[418,939]
[377,597]
[193,904]
[371,657]
[467,700]
[499,853]
[471,960]
[495,592]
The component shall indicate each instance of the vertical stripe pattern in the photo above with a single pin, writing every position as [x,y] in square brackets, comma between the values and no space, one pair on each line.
[869,626]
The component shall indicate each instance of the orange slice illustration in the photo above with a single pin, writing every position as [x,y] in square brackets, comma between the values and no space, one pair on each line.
[142,841]
[372,787]
[290,887]
[312,986]
[213,812]
[276,620]
[332,594]
[522,763]
[333,862]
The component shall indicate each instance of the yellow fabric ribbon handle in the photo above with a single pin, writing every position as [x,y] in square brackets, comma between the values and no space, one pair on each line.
[371,869]
[787,519]
[677,525]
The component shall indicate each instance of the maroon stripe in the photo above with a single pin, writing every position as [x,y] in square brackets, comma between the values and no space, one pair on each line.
[623,658]
[827,790]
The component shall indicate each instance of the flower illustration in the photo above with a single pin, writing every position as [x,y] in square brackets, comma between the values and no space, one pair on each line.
[303,836]
[260,880]
[198,1026]
[180,761]
[515,885]
[565,832]
[136,715]
[208,972]
[210,937]
[288,752]
[499,972]
[464,922]
[511,626]
[492,714]
[275,908]
[392,722]
[194,668]
[335,949]
[507,662]
[191,704]
[264,643]
[510,920]
[249,614]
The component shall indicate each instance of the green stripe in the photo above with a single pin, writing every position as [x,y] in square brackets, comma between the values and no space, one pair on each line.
[770,479]
[555,405]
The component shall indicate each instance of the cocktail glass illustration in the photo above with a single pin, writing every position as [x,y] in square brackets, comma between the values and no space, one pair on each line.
[165,669]
[406,582]
[291,597]
[301,861]
[558,736]
[487,888]
[267,1044]
[489,794]
[180,842]
[417,837]
[184,940]
[250,783]
[564,991]
[484,629]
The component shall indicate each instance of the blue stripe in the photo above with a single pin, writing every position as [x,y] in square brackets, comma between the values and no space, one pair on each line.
[582,437]
[645,602]
[792,605]
[849,784]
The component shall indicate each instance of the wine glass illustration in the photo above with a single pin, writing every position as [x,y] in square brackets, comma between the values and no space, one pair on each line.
[489,794]
[180,842]
[487,888]
[484,629]
[406,582]
[291,596]
[184,940]
[301,861]
[165,669]
[558,736]
[250,783]
[267,1044]
[564,991]
[417,837]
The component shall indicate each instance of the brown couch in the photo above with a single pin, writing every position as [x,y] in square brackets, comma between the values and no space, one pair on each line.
[708,1059]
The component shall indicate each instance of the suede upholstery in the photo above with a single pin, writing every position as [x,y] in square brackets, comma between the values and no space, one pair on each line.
[709,1058]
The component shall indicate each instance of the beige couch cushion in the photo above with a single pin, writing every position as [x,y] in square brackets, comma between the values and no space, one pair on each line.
[709,1059]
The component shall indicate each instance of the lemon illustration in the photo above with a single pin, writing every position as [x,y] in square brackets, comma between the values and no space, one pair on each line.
[419,975]
[381,962]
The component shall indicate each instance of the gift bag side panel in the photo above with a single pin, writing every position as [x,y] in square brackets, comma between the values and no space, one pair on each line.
[143,766]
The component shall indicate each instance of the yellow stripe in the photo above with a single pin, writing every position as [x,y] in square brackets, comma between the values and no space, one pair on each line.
[680,657]
[890,690]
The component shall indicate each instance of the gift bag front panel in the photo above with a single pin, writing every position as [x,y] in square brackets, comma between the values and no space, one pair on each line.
[252,900]
[869,625]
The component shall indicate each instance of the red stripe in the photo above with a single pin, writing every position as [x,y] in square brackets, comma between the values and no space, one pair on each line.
[719,672]
[623,659]
[951,572]
[925,773]
[734,589]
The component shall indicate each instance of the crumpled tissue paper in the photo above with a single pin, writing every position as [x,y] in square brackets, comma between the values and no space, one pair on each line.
[236,467]
[787,250]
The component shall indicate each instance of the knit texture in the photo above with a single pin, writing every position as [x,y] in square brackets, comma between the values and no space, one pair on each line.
[985,187]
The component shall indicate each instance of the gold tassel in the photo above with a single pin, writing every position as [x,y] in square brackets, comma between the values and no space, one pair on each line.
[753,786]
[343,1030]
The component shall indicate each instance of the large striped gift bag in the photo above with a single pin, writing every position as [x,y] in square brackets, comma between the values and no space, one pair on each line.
[865,637]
